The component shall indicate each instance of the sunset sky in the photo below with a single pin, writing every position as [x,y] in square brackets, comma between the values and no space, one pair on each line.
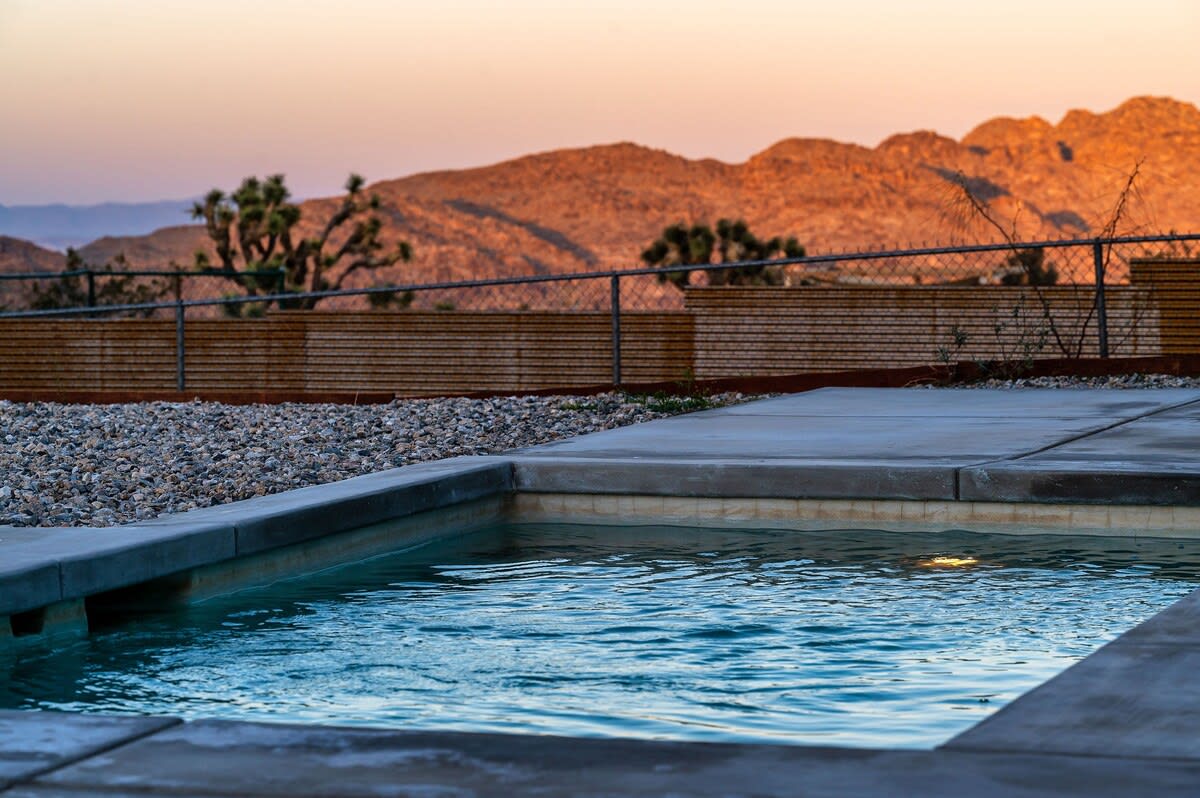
[150,99]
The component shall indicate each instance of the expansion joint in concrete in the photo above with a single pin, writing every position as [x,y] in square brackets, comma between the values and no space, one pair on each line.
[1080,437]
[99,750]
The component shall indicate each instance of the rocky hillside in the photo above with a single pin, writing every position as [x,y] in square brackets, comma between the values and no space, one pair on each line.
[23,257]
[597,207]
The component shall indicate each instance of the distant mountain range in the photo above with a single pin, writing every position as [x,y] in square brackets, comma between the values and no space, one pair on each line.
[598,207]
[60,226]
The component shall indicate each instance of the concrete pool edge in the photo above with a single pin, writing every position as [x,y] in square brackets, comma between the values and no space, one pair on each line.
[42,566]
[1125,720]
[208,758]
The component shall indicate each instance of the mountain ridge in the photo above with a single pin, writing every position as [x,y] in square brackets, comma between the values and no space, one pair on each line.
[597,207]
[59,225]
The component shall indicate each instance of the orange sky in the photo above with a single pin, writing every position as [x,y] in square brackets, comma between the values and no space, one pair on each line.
[148,99]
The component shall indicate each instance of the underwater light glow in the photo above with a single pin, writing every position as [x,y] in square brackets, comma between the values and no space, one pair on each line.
[948,562]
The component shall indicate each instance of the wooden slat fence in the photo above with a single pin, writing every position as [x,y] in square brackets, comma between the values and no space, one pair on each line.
[723,332]
[408,353]
[1174,284]
[765,331]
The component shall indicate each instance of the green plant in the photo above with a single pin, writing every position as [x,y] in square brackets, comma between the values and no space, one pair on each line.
[666,403]
[255,228]
[1019,337]
[445,305]
[680,245]
[950,354]
[71,291]
[679,404]
[663,402]
[387,299]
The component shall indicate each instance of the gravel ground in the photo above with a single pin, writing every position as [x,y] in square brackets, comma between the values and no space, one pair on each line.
[1118,381]
[100,465]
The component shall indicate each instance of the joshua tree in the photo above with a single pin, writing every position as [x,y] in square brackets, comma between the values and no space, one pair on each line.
[680,245]
[736,243]
[254,229]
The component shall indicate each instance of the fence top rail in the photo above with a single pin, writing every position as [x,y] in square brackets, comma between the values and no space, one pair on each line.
[140,273]
[806,261]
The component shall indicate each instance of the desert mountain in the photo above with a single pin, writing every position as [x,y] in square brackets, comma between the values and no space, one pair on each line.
[601,205]
[17,255]
[598,207]
[23,257]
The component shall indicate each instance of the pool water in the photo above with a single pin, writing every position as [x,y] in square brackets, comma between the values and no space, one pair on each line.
[844,638]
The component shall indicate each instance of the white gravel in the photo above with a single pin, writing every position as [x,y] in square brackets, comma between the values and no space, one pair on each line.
[100,465]
[1118,381]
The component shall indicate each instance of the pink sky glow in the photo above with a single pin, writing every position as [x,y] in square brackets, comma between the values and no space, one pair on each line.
[145,99]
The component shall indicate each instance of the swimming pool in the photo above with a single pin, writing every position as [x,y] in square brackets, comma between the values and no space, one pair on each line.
[843,637]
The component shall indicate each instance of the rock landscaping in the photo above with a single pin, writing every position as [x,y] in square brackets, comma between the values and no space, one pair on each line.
[1115,381]
[101,465]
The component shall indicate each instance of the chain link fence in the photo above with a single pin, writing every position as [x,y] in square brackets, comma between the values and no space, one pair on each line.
[1002,303]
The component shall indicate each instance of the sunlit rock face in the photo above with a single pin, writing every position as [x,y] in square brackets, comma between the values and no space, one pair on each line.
[598,207]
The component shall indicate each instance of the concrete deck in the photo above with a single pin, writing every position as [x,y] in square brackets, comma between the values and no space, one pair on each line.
[1124,721]
[1005,446]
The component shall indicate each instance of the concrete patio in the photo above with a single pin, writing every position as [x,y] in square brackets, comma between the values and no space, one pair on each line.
[1124,721]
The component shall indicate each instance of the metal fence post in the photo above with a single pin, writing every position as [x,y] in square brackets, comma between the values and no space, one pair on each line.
[1101,309]
[91,294]
[180,353]
[615,304]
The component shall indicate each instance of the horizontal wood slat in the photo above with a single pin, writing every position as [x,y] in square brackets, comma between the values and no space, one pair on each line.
[408,353]
[769,331]
[723,332]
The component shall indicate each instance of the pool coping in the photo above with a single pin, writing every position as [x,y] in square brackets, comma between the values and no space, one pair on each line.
[1076,730]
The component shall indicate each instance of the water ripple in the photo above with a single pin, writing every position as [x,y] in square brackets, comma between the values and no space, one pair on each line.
[843,638]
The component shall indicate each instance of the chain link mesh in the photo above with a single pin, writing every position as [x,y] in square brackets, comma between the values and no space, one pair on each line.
[1010,303]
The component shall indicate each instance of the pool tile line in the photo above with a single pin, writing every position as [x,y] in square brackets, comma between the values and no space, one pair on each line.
[884,514]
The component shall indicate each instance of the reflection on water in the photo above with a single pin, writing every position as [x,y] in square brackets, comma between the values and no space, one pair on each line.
[847,638]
